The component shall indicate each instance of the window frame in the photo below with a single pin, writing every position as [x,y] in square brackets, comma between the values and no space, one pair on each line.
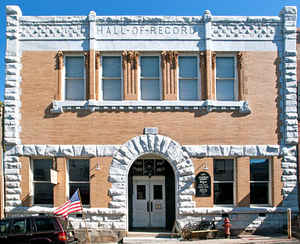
[68,182]
[235,80]
[139,85]
[101,90]
[269,182]
[64,79]
[33,182]
[233,184]
[198,78]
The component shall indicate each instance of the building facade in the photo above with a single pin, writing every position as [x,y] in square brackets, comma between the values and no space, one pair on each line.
[155,119]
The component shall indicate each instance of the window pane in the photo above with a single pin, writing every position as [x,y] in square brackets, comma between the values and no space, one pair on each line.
[74,66]
[150,90]
[84,189]
[4,225]
[150,66]
[74,89]
[188,67]
[41,169]
[111,89]
[225,90]
[43,193]
[79,170]
[259,193]
[44,224]
[223,169]
[259,169]
[19,226]
[111,66]
[225,67]
[140,192]
[223,193]
[188,90]
[157,192]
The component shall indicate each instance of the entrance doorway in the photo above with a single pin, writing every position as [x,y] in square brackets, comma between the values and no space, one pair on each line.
[151,194]
[148,202]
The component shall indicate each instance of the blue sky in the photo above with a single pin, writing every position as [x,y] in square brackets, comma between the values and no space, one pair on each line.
[138,7]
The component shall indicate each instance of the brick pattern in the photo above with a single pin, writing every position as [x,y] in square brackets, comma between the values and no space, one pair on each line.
[99,184]
[26,191]
[243,182]
[277,184]
[60,190]
[108,127]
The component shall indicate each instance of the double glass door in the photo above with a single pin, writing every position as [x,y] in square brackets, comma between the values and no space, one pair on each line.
[148,202]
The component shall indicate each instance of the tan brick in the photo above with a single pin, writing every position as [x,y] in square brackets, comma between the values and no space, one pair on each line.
[39,84]
[243,182]
[99,185]
[26,182]
[277,185]
[60,190]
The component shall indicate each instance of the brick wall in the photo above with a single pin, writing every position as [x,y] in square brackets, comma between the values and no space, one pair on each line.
[39,84]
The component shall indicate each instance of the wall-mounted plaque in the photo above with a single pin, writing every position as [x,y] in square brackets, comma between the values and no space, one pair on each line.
[203,185]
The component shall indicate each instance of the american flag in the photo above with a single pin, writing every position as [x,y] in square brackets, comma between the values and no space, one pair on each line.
[70,206]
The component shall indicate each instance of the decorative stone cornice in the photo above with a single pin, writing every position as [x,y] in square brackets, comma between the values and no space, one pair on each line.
[206,106]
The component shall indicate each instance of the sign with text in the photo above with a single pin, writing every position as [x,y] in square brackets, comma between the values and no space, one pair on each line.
[53,176]
[150,31]
[203,185]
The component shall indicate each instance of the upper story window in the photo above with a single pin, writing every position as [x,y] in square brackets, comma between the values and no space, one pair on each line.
[188,78]
[226,81]
[79,178]
[223,181]
[74,78]
[260,181]
[150,78]
[42,187]
[111,78]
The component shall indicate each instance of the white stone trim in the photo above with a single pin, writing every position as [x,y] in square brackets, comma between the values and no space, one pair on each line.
[194,151]
[204,106]
[288,104]
[168,149]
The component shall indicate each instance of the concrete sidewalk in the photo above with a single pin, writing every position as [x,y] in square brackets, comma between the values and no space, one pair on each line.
[253,239]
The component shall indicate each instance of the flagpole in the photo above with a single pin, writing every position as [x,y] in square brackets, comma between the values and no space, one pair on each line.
[83,217]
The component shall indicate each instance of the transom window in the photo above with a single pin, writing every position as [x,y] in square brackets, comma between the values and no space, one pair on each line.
[225,78]
[74,78]
[223,181]
[259,181]
[42,187]
[111,77]
[150,78]
[188,78]
[79,177]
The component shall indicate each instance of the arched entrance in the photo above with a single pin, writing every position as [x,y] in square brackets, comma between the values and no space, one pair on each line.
[151,193]
[160,146]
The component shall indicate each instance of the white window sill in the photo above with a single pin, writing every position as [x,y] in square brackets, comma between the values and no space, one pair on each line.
[204,106]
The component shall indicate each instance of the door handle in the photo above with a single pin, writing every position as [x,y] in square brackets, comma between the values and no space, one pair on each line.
[147,206]
[151,206]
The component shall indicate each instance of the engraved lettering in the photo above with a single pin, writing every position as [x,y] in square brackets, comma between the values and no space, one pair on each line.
[115,30]
[123,30]
[135,30]
[160,30]
[183,30]
[141,29]
[167,30]
[175,30]
[153,30]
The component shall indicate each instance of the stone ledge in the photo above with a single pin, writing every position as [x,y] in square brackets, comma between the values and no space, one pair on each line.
[203,106]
